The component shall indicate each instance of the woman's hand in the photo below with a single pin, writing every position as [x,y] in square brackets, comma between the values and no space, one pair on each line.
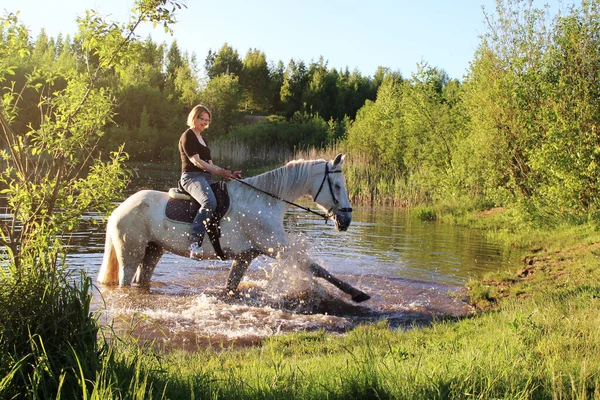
[227,174]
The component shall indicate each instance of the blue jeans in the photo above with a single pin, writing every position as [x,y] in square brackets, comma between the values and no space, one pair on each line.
[197,184]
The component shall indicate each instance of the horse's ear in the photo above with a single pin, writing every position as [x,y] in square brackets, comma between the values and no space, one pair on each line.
[338,160]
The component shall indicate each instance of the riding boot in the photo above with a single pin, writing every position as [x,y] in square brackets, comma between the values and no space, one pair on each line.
[196,249]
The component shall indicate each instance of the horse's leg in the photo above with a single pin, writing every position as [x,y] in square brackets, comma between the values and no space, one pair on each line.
[320,272]
[238,269]
[279,241]
[130,254]
[151,258]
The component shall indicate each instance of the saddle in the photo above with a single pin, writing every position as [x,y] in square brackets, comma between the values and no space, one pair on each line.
[182,207]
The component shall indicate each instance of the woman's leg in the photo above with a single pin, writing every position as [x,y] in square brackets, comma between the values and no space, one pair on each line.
[197,184]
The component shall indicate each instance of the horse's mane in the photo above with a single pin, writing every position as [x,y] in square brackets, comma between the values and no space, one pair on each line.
[280,180]
[302,160]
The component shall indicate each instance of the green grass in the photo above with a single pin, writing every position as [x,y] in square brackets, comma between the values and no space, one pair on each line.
[48,337]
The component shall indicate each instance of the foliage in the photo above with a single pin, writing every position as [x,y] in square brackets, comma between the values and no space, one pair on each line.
[222,96]
[163,82]
[48,336]
[531,99]
[295,79]
[302,128]
[520,132]
[254,80]
[51,176]
[377,132]
[226,61]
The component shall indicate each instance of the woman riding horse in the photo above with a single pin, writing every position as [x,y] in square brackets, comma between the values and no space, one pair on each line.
[138,231]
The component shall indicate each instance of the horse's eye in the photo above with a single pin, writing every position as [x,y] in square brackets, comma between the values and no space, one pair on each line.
[337,186]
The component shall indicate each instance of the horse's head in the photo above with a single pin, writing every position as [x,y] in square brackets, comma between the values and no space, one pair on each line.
[329,192]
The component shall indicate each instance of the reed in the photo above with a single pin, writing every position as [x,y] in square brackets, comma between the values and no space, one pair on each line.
[367,182]
[241,155]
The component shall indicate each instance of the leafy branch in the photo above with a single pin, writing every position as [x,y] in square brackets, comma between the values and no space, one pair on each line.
[53,171]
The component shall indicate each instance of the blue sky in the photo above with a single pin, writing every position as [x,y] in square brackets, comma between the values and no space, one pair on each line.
[396,34]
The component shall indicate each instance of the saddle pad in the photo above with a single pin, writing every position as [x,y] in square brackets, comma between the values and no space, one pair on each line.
[186,210]
[181,210]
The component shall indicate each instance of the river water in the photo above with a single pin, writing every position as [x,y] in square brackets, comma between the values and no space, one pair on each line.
[414,271]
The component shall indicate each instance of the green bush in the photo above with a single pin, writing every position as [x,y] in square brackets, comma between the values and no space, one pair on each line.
[304,129]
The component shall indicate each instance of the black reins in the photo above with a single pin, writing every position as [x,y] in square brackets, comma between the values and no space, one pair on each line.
[322,215]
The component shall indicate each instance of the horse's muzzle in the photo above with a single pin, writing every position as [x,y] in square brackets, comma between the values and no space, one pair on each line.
[342,220]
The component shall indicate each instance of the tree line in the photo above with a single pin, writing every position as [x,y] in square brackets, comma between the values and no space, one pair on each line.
[159,83]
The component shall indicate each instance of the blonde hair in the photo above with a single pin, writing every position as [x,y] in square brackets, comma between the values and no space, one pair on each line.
[196,111]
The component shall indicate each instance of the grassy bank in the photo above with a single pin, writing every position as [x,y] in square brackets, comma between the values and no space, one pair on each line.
[535,335]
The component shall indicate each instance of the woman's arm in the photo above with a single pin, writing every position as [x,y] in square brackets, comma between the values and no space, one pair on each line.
[214,169]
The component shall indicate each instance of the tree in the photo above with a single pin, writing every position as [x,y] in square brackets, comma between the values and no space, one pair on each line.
[166,97]
[378,133]
[44,51]
[276,77]
[222,96]
[531,98]
[431,127]
[295,79]
[174,61]
[321,92]
[53,174]
[226,61]
[254,80]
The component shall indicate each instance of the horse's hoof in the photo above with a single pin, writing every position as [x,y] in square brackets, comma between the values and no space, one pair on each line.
[360,297]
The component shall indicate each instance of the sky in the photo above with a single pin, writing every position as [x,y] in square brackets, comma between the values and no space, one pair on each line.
[396,34]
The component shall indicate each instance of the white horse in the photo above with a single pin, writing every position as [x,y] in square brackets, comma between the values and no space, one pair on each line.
[138,232]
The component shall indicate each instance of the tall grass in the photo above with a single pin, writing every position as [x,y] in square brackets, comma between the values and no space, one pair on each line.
[48,337]
[241,155]
[367,182]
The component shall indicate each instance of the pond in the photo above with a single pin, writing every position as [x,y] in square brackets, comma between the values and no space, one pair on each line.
[415,272]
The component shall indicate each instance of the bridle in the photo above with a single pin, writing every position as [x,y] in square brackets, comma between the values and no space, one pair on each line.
[325,177]
[328,179]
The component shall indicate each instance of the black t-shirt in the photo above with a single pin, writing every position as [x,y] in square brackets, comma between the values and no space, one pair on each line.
[188,146]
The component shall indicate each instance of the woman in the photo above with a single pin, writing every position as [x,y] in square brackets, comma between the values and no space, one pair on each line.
[196,170]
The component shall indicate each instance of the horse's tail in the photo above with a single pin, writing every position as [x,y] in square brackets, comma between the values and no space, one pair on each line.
[109,270]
